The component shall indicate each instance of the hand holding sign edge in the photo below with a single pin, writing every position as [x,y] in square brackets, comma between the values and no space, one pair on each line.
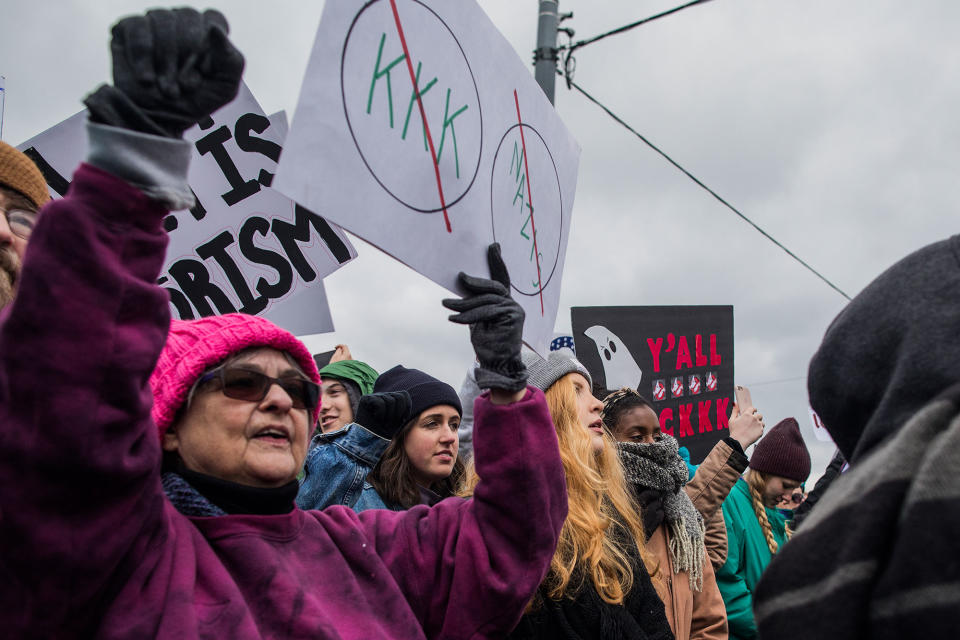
[496,326]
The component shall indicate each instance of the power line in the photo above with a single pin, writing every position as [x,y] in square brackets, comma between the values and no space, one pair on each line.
[780,381]
[627,27]
[589,97]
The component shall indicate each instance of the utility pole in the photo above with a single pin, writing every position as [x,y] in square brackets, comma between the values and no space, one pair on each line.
[545,55]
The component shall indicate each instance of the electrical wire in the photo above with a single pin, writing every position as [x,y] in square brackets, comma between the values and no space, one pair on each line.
[753,224]
[780,381]
[627,27]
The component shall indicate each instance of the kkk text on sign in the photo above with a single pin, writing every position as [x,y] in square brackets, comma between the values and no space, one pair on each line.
[420,130]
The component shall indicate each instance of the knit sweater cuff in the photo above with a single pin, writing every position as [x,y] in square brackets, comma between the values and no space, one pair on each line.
[154,164]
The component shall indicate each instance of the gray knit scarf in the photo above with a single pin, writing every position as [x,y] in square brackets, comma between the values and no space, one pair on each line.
[659,466]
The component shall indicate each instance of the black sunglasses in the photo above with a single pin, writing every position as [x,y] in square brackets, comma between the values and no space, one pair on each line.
[244,384]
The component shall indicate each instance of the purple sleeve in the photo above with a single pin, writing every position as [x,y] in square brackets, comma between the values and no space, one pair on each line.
[469,567]
[79,455]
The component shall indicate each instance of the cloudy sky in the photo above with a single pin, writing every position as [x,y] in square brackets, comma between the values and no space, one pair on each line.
[830,124]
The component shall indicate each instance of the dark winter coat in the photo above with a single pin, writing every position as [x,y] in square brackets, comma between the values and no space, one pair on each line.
[877,557]
[585,616]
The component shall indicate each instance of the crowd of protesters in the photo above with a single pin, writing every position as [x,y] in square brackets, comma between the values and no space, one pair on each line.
[204,478]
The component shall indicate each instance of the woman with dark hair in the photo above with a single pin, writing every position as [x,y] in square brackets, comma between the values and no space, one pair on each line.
[394,457]
[422,463]
[97,540]
[674,528]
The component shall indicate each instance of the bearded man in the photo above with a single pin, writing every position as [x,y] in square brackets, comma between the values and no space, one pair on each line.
[23,191]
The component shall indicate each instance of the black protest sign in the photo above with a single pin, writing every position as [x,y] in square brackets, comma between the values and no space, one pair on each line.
[323,359]
[679,357]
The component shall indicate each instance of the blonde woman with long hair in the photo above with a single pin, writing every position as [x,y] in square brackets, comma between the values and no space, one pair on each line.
[755,529]
[599,583]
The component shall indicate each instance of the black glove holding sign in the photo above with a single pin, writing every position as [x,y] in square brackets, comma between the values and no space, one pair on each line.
[496,325]
[385,414]
[171,69]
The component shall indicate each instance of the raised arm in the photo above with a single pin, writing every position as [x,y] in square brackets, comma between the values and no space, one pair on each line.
[717,474]
[469,567]
[79,455]
[710,486]
[79,461]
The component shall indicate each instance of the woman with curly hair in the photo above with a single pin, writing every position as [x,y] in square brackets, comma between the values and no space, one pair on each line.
[675,529]
[599,584]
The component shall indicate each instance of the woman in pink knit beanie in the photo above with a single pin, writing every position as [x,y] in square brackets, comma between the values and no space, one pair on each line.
[252,432]
[148,468]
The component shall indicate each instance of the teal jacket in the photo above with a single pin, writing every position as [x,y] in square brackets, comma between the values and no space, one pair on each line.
[747,558]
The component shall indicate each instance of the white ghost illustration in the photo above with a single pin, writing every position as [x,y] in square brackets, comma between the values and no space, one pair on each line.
[619,367]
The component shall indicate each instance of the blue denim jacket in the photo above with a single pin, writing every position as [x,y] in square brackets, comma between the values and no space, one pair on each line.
[336,469]
[370,499]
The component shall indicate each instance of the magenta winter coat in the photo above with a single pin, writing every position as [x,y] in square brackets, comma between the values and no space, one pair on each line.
[90,545]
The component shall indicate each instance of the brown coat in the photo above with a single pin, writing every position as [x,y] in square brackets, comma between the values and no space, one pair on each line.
[708,488]
[692,615]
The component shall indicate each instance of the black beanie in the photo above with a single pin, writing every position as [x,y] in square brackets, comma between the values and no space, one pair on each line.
[425,390]
[782,452]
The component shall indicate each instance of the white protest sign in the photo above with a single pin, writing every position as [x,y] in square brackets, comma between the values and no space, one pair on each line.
[420,130]
[243,246]
[312,308]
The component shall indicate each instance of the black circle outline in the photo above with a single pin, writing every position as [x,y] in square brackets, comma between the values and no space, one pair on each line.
[559,192]
[343,97]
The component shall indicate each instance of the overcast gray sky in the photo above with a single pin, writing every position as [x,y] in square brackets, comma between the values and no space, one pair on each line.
[831,124]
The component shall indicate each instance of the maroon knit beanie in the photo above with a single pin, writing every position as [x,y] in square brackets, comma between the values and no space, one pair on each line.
[782,452]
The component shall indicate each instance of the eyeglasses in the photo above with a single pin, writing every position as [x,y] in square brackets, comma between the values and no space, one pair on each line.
[21,221]
[244,384]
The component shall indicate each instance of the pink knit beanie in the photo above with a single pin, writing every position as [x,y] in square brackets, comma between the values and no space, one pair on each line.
[193,346]
[782,452]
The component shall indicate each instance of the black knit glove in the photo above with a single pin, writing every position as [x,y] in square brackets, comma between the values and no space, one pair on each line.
[384,413]
[171,69]
[496,325]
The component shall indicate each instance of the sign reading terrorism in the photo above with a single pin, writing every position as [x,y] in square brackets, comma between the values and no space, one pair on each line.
[243,246]
[678,358]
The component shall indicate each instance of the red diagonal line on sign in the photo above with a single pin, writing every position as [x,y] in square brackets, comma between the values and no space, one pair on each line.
[533,224]
[423,114]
